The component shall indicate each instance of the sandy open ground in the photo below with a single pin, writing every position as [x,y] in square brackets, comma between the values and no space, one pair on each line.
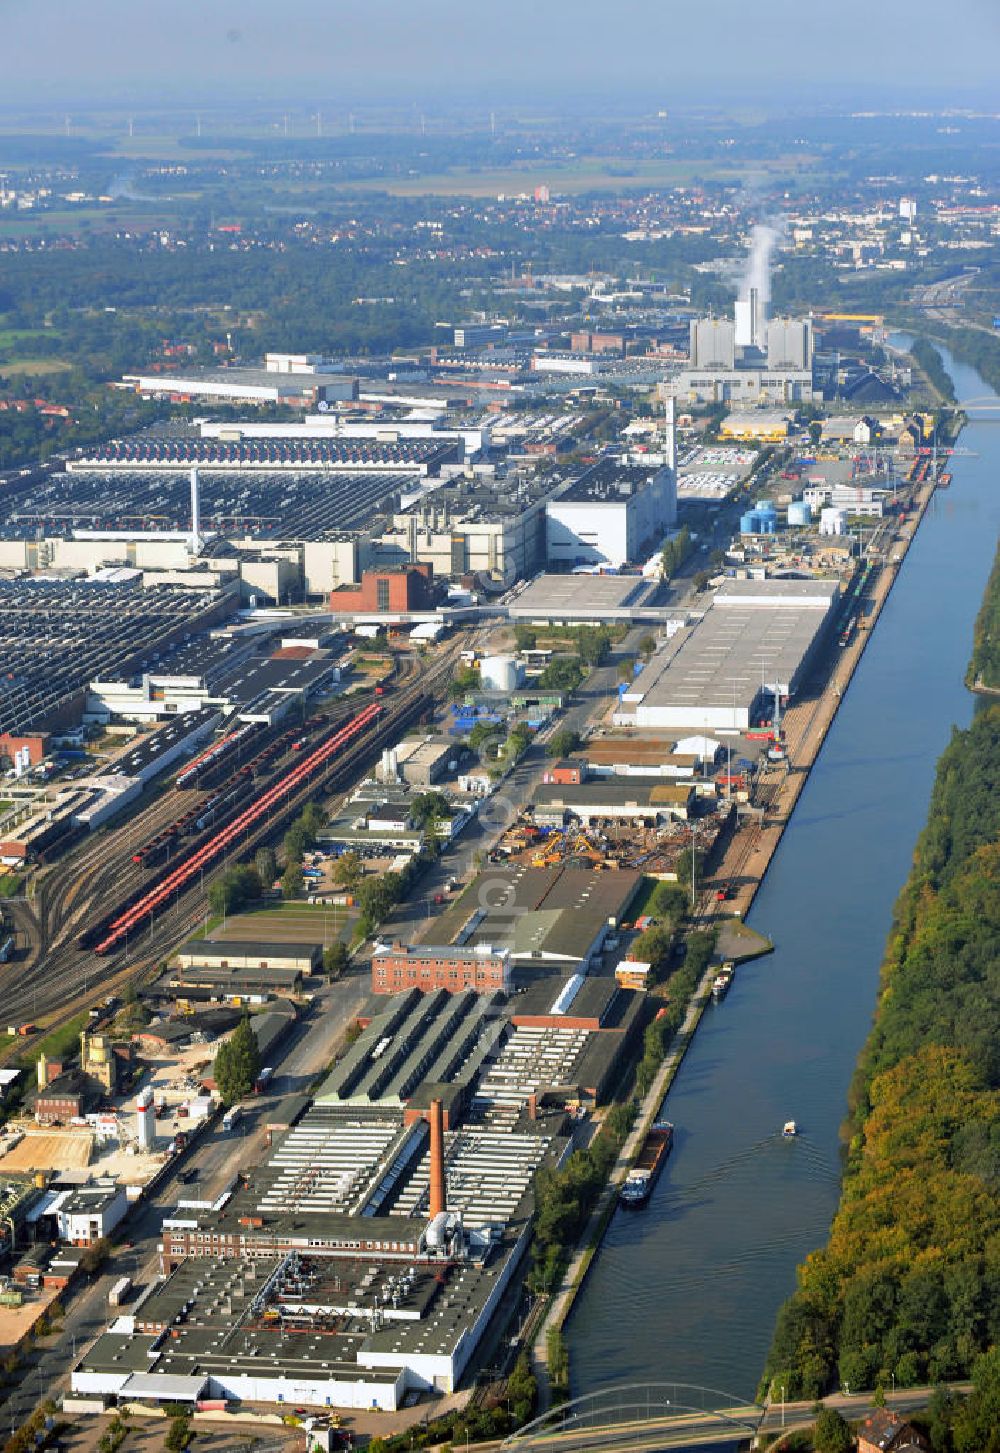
[49,1150]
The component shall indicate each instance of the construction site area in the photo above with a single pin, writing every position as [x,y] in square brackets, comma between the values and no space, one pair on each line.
[660,851]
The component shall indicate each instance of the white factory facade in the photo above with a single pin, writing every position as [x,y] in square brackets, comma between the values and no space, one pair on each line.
[611,515]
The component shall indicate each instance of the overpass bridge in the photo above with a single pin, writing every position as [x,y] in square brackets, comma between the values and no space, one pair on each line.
[643,1415]
[652,1416]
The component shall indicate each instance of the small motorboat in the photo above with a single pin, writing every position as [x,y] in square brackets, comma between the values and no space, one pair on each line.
[789,1130]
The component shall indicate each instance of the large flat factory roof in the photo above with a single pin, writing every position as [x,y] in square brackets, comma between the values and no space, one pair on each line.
[539,914]
[57,636]
[417,1039]
[240,380]
[572,595]
[607,482]
[281,504]
[174,449]
[756,635]
[488,1173]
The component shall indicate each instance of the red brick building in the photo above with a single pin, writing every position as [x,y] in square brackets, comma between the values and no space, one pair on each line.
[886,1432]
[36,745]
[400,588]
[597,342]
[427,968]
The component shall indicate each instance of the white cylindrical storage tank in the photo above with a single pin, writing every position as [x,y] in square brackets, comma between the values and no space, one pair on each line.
[833,522]
[800,512]
[501,673]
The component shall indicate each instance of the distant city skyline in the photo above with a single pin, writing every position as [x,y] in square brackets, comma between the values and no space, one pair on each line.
[386,50]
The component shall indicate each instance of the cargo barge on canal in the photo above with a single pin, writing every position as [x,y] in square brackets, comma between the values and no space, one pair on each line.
[643,1176]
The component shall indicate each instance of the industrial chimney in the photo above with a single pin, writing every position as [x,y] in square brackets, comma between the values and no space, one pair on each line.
[195,522]
[437,1184]
[670,434]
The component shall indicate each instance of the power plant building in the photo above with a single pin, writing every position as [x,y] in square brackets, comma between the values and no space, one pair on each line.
[789,344]
[744,386]
[713,343]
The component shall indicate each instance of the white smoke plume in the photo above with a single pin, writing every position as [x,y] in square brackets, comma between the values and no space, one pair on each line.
[758,269]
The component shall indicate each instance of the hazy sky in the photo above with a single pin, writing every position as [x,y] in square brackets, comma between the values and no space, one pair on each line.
[157,50]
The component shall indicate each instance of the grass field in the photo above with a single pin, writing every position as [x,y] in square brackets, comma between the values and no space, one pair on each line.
[284,923]
[29,367]
[61,1041]
[109,218]
[11,337]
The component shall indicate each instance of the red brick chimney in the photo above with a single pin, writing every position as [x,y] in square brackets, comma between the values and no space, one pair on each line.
[437,1190]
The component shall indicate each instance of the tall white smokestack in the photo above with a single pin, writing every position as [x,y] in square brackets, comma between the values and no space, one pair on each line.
[195,522]
[670,435]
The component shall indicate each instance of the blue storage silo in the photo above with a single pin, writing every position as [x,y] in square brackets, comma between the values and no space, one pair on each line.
[761,520]
[800,512]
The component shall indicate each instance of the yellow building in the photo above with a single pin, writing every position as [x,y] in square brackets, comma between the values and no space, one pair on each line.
[630,974]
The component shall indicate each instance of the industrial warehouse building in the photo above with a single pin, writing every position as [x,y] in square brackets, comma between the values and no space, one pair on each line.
[277,966]
[395,588]
[466,526]
[551,918]
[387,1220]
[758,637]
[607,800]
[575,599]
[297,380]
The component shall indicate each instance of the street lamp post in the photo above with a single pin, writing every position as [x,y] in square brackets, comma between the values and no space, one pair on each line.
[782,1405]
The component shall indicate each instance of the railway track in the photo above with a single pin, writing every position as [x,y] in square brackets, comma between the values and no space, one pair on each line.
[70,978]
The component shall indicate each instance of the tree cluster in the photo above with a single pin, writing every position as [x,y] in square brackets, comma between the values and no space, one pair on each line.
[984,665]
[565,1196]
[563,743]
[299,838]
[932,365]
[675,552]
[237,887]
[237,1064]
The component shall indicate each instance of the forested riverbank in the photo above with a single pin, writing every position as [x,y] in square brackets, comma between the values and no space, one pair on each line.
[907,1289]
[984,667]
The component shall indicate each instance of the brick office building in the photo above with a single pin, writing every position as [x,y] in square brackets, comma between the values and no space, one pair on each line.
[399,588]
[482,969]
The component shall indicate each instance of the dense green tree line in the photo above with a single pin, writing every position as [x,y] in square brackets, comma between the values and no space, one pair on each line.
[565,1196]
[932,364]
[984,667]
[979,349]
[237,1064]
[908,1286]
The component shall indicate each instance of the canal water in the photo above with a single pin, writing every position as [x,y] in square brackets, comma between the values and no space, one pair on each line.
[688,1288]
